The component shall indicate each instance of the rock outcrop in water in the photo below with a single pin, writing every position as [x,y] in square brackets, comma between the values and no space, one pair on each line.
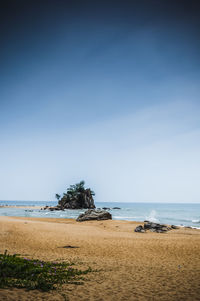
[94,215]
[76,197]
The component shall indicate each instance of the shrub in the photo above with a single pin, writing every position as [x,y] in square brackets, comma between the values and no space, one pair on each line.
[19,272]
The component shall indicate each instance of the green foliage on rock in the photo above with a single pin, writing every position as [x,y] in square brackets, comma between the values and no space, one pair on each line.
[77,196]
[57,196]
[78,189]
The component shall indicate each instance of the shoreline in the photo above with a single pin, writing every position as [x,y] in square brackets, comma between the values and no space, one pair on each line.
[74,219]
[27,207]
[21,206]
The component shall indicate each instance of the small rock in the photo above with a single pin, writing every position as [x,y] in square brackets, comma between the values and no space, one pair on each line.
[165,229]
[153,230]
[139,229]
[46,207]
[174,227]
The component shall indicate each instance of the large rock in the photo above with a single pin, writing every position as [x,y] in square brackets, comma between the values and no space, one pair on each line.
[94,215]
[76,197]
[79,200]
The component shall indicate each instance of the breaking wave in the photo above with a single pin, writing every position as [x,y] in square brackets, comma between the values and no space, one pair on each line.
[152,217]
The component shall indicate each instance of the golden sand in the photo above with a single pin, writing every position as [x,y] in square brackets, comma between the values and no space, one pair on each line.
[131,266]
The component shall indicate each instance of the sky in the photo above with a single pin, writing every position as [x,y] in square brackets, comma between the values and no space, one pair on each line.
[102,91]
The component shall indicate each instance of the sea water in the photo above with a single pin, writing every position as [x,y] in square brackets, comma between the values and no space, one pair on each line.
[168,213]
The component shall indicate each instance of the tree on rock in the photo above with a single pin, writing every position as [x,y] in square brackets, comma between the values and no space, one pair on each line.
[57,196]
[77,197]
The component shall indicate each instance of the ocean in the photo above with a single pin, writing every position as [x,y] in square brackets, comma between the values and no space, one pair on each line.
[169,213]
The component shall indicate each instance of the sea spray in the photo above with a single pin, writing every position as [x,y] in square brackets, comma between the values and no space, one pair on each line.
[152,217]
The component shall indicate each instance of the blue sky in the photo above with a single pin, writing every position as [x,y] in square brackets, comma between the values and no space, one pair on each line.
[104,93]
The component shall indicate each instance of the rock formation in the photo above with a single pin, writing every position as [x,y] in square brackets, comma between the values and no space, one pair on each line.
[76,197]
[78,200]
[94,215]
[154,227]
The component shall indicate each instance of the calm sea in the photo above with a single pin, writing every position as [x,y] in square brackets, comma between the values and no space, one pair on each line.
[177,214]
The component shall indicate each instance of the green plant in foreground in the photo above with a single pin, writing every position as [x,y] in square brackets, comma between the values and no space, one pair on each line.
[19,272]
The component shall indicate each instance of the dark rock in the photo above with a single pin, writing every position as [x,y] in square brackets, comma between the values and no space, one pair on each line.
[105,208]
[152,230]
[94,215]
[161,231]
[149,225]
[159,228]
[139,229]
[55,208]
[116,208]
[77,197]
[154,227]
[165,228]
[174,227]
[46,207]
[70,247]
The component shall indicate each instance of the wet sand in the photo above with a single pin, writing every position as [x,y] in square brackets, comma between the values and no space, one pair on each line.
[21,207]
[131,266]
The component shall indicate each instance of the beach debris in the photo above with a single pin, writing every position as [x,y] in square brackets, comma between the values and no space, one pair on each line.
[92,214]
[69,247]
[154,227]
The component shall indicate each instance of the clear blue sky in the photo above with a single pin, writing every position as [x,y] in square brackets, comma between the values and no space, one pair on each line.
[108,93]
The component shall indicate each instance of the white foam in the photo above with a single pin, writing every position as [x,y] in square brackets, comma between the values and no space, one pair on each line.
[152,217]
[121,217]
[196,221]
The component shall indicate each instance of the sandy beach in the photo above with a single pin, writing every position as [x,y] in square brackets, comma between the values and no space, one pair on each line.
[131,266]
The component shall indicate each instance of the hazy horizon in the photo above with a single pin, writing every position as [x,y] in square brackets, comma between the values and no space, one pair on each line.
[102,92]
